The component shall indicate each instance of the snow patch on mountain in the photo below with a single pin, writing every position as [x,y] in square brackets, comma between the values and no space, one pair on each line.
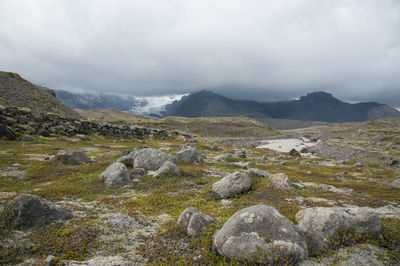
[154,105]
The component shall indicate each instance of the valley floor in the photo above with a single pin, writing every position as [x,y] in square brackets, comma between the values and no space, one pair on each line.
[136,224]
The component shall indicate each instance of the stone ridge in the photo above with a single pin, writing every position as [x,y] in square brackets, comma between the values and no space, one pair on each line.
[48,125]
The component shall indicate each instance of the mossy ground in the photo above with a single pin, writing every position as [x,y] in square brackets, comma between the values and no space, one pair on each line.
[151,197]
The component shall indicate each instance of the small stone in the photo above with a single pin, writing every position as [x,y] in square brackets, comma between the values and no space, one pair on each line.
[71,157]
[189,154]
[137,173]
[82,136]
[294,153]
[194,222]
[281,181]
[258,172]
[239,154]
[27,138]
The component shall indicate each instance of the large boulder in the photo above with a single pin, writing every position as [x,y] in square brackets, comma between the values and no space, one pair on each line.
[29,210]
[194,222]
[71,157]
[6,133]
[231,185]
[262,231]
[320,223]
[150,159]
[167,168]
[189,154]
[116,175]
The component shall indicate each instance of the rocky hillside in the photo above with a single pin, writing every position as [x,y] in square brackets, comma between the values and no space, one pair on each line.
[316,106]
[201,126]
[16,91]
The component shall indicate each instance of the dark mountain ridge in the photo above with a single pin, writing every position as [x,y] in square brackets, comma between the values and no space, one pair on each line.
[315,106]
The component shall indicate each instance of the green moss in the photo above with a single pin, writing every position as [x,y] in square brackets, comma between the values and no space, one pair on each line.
[391,238]
[74,240]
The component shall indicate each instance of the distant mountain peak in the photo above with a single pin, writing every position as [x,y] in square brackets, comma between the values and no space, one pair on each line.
[318,95]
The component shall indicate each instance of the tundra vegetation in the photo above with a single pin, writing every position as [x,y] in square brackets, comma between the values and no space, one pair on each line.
[150,205]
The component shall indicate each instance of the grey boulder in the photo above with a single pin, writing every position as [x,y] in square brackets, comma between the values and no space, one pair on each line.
[231,185]
[27,138]
[168,168]
[71,157]
[29,210]
[116,175]
[258,172]
[320,223]
[189,154]
[262,231]
[150,159]
[396,183]
[194,222]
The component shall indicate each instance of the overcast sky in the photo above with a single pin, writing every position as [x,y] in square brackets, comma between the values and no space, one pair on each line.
[260,49]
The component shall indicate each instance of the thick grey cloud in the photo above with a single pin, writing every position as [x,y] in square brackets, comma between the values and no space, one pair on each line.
[251,49]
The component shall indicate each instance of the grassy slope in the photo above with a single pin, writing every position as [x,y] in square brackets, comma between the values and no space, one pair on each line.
[203,126]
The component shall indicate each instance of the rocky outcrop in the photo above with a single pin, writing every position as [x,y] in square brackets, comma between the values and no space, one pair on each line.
[319,224]
[194,222]
[150,159]
[168,168]
[231,185]
[71,157]
[116,175]
[189,154]
[260,232]
[29,210]
[6,133]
